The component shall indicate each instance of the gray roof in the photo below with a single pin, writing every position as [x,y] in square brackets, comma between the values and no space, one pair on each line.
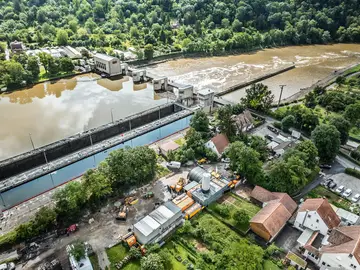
[162,214]
[147,225]
[197,174]
[205,92]
[191,185]
[104,57]
[172,206]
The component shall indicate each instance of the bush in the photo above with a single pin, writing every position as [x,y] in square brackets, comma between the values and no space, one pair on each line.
[352,172]
[277,125]
[355,155]
[222,210]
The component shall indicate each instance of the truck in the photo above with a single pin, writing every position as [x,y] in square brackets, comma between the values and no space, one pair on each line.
[122,215]
[174,165]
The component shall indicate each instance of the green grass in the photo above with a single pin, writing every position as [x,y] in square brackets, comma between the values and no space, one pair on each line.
[116,254]
[43,76]
[177,250]
[332,197]
[352,70]
[180,141]
[355,132]
[94,262]
[135,265]
[235,205]
[161,171]
[270,265]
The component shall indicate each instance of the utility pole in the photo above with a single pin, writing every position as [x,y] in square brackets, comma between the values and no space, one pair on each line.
[91,142]
[52,180]
[282,88]
[32,143]
[112,116]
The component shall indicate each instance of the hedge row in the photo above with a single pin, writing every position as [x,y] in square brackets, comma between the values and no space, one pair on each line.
[352,172]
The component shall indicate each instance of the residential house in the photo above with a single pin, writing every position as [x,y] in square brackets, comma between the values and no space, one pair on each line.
[243,121]
[342,250]
[17,46]
[315,218]
[218,144]
[272,218]
[316,215]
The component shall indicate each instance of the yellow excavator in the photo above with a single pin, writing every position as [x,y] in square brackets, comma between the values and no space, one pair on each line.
[179,185]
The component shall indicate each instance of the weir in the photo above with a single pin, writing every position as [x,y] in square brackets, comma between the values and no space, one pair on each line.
[46,154]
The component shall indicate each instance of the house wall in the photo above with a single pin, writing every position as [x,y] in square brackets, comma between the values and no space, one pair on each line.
[338,260]
[312,257]
[212,147]
[311,220]
[260,231]
[115,67]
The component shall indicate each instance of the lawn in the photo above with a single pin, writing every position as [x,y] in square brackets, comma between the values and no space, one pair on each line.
[94,262]
[161,171]
[116,254]
[180,141]
[355,132]
[332,197]
[175,250]
[270,265]
[234,203]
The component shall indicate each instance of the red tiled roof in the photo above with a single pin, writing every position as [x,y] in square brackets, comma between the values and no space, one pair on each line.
[324,209]
[344,240]
[221,142]
[287,201]
[262,195]
[273,217]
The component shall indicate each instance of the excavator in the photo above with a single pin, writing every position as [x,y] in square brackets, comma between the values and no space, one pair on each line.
[179,185]
[123,213]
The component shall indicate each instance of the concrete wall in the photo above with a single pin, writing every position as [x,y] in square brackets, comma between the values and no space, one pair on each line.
[29,160]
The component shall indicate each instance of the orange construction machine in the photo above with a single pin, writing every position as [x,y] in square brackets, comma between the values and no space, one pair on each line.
[179,185]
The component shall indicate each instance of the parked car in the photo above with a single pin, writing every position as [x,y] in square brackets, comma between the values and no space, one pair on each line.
[225,160]
[325,166]
[331,185]
[356,198]
[269,137]
[326,182]
[347,192]
[340,189]
[273,129]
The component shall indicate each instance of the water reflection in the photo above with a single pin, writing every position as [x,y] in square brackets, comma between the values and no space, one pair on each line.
[53,110]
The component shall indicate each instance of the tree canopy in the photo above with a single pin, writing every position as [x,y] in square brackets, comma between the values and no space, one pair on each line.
[258,97]
[327,140]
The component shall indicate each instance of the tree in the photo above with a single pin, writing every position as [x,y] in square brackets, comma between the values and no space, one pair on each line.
[45,219]
[287,122]
[311,153]
[241,217]
[33,67]
[245,161]
[69,202]
[97,185]
[226,123]
[78,251]
[343,126]
[148,51]
[152,262]
[327,140]
[258,97]
[352,113]
[287,175]
[259,144]
[135,253]
[131,166]
[15,73]
[200,123]
[66,64]
[61,37]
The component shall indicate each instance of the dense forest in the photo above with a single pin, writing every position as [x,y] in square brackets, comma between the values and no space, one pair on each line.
[188,25]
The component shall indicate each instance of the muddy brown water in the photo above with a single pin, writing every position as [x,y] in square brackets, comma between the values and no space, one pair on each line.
[312,64]
[54,110]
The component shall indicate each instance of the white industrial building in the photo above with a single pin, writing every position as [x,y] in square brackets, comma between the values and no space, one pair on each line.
[158,224]
[206,99]
[107,64]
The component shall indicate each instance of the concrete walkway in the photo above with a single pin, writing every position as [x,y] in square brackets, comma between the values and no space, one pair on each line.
[103,259]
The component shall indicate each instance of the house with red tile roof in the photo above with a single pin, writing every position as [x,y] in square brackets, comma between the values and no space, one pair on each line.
[272,218]
[342,250]
[218,144]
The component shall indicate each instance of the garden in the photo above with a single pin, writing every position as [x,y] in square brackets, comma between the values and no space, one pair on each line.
[234,211]
[333,198]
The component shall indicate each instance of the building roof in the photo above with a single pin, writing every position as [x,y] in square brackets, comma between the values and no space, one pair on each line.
[262,195]
[324,210]
[221,142]
[169,146]
[104,57]
[346,215]
[287,201]
[205,92]
[161,214]
[296,259]
[273,217]
[344,240]
[243,120]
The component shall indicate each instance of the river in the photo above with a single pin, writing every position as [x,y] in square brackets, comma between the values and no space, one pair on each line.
[52,111]
[313,63]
